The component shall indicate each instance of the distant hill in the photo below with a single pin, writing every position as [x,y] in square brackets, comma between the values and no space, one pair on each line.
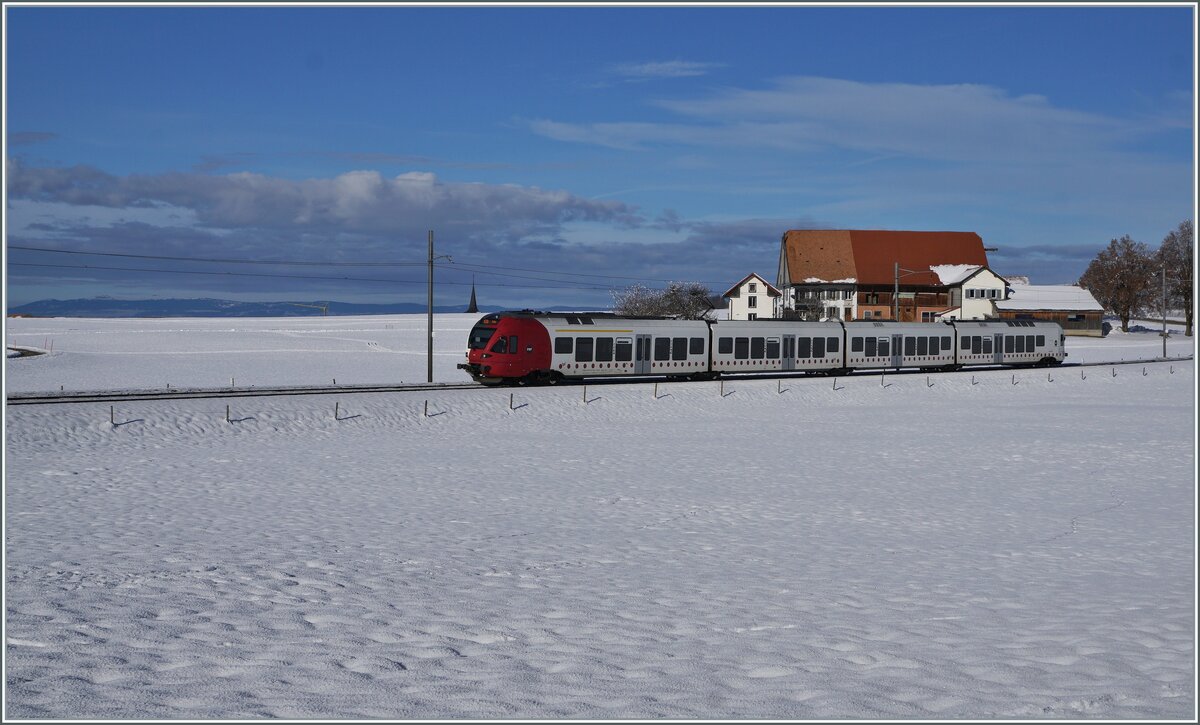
[208,307]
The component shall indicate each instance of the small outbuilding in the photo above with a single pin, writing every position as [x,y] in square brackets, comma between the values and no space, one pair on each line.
[1072,307]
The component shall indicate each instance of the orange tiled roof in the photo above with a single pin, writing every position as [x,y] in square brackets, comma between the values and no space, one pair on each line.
[868,256]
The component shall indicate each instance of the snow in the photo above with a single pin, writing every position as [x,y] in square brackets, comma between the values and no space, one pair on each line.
[1050,297]
[952,274]
[818,280]
[901,546]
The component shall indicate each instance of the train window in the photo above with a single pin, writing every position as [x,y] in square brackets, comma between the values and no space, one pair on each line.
[480,336]
[871,344]
[946,344]
[856,344]
[679,348]
[586,321]
[662,348]
[501,344]
[832,344]
[922,346]
[772,348]
[757,348]
[1020,343]
[563,346]
[583,349]
[804,347]
[1029,343]
[965,342]
[624,349]
[725,345]
[910,346]
[1010,344]
[987,346]
[976,344]
[512,345]
[572,320]
[818,347]
[696,346]
[1041,340]
[741,348]
[604,349]
[884,346]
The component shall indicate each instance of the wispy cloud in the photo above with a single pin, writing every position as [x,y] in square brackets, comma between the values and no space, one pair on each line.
[959,122]
[24,138]
[635,72]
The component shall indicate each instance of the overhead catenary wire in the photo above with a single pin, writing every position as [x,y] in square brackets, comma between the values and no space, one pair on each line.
[303,276]
[472,267]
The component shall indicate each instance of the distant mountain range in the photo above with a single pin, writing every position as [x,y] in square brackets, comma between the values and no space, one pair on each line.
[208,307]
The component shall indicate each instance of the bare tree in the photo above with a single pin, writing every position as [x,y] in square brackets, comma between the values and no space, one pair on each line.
[1175,255]
[686,300]
[1121,278]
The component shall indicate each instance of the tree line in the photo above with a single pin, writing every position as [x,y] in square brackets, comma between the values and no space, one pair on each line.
[1127,277]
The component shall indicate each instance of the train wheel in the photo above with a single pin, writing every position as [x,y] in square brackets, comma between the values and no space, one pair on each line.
[553,377]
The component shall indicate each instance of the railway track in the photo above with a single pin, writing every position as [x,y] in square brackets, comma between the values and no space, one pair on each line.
[116,396]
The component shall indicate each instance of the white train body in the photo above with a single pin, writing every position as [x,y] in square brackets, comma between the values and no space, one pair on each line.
[546,347]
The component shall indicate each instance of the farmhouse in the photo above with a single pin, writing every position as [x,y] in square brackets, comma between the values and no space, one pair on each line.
[753,298]
[881,274]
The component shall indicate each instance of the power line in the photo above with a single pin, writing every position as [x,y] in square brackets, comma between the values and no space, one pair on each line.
[481,268]
[218,260]
[300,276]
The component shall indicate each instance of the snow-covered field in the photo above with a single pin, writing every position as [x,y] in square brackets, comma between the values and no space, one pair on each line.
[941,547]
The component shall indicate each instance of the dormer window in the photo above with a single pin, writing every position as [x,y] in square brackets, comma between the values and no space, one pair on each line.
[753,286]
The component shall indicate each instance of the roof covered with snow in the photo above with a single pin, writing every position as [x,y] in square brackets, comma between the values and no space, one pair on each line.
[951,274]
[1049,297]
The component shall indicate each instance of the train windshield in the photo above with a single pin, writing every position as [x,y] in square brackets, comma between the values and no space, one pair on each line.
[480,335]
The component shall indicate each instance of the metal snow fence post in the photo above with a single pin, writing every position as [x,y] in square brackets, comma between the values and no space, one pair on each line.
[835,385]
[1114,372]
[973,380]
[510,401]
[227,414]
[1081,375]
[928,384]
[1014,379]
[426,414]
[1143,371]
[1048,378]
[585,395]
[336,405]
[112,416]
[656,391]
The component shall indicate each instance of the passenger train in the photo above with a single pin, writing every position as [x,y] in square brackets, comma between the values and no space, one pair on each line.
[528,347]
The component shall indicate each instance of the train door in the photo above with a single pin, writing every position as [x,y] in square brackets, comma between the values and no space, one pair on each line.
[789,352]
[641,355]
[998,349]
[897,350]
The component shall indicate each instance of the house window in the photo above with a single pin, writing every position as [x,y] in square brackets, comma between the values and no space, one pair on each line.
[752,302]
[753,286]
[752,316]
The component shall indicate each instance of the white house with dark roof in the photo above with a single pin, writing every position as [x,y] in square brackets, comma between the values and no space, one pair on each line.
[752,299]
[974,291]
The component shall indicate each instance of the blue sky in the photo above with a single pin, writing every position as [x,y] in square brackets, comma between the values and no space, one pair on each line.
[594,146]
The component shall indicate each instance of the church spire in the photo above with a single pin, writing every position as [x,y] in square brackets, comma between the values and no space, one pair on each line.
[472,307]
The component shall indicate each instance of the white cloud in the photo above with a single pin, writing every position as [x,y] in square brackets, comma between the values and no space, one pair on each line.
[662,69]
[960,122]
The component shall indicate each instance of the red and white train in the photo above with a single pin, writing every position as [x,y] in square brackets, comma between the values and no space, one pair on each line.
[530,347]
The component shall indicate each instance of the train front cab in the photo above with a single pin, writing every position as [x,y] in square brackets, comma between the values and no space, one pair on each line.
[507,348]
